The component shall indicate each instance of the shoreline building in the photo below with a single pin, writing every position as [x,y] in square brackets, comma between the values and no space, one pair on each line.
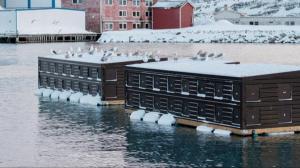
[26,21]
[181,12]
[243,19]
[107,15]
[30,4]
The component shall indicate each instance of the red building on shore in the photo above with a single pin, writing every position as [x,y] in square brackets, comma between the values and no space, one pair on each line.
[172,14]
[106,15]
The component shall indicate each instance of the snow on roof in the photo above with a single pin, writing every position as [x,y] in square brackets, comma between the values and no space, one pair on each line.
[218,68]
[169,4]
[95,58]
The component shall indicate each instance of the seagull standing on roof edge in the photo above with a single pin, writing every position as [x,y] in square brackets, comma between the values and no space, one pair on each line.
[54,52]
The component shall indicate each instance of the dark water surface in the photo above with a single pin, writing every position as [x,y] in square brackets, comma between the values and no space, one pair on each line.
[40,132]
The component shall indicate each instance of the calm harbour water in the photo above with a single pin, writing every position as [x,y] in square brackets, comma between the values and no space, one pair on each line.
[43,133]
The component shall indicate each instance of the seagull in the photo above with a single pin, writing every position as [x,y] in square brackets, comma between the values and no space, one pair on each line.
[219,55]
[156,58]
[136,53]
[145,59]
[91,50]
[54,52]
[210,55]
[175,58]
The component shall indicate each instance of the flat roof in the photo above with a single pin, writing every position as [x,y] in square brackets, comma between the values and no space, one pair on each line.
[218,68]
[169,4]
[94,58]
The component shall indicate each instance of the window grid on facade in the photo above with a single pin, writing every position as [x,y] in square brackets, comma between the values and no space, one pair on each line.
[122,13]
[108,2]
[136,2]
[123,26]
[122,2]
[148,13]
[148,2]
[136,25]
[108,26]
[77,1]
[135,13]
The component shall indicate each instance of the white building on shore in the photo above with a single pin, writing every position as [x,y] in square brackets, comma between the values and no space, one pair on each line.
[239,18]
[30,4]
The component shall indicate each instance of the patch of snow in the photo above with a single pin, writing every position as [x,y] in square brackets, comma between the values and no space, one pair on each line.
[39,92]
[156,89]
[208,68]
[64,95]
[55,95]
[218,98]
[222,132]
[204,129]
[201,95]
[218,32]
[47,92]
[185,93]
[151,117]
[137,115]
[75,97]
[89,99]
[167,119]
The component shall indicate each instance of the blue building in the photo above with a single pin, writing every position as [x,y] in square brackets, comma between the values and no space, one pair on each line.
[30,4]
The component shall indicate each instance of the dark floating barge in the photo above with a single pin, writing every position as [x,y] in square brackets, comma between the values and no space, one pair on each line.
[242,99]
[90,78]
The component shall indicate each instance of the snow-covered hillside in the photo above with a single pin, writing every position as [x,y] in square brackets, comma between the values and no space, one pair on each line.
[218,32]
[251,7]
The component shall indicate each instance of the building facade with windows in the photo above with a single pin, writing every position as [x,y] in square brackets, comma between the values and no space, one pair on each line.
[108,15]
[29,4]
[239,18]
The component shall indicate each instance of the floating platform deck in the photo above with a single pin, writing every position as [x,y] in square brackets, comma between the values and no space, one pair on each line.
[99,75]
[242,98]
[49,38]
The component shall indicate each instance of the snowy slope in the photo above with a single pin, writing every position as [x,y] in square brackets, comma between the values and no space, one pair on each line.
[218,32]
[251,7]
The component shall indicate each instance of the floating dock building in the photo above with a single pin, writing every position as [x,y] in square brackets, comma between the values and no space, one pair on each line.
[241,98]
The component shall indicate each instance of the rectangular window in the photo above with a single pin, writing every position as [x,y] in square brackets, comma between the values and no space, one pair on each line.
[122,13]
[148,2]
[256,23]
[219,90]
[136,25]
[136,2]
[148,13]
[284,92]
[122,2]
[142,81]
[147,25]
[201,88]
[123,26]
[252,93]
[108,26]
[77,1]
[171,87]
[136,14]
[250,23]
[185,86]
[108,2]
[292,23]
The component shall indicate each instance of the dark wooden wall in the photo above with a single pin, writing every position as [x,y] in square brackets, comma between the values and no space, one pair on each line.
[182,95]
[271,100]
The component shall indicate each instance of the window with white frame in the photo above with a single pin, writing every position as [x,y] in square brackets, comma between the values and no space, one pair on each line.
[136,25]
[136,14]
[109,26]
[122,13]
[108,2]
[123,26]
[122,2]
[148,13]
[136,2]
[77,1]
[148,2]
